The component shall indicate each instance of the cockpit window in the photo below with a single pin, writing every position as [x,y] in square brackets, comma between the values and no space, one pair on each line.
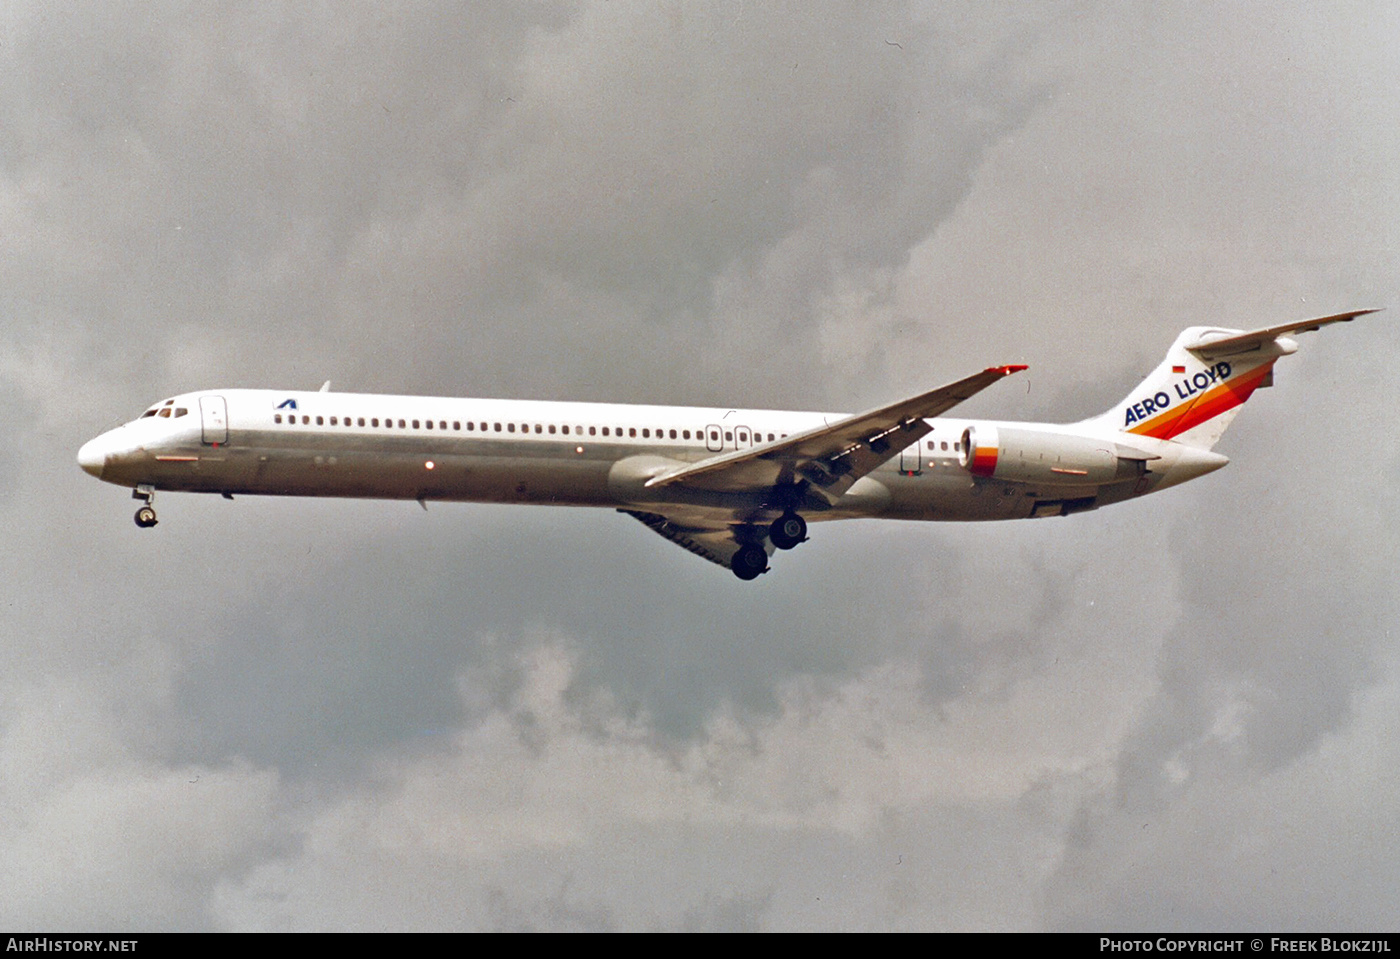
[180,411]
[158,411]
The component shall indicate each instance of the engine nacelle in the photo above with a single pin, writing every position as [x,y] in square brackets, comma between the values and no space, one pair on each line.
[1032,456]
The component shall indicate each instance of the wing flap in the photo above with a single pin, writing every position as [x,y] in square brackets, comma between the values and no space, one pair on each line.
[834,456]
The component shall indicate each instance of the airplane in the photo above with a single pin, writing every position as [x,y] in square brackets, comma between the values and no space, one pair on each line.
[730,485]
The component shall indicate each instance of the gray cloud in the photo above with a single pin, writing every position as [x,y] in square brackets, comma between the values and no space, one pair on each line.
[303,715]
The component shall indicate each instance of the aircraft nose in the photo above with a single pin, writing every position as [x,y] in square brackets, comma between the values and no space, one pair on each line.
[92,457]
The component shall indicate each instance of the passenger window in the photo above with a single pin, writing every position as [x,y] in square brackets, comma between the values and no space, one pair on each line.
[361,421]
[401,424]
[276,417]
[320,421]
[593,431]
[632,432]
[564,430]
[551,429]
[429,424]
[457,425]
[540,429]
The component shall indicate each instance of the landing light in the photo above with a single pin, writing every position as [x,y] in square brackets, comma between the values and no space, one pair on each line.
[429,464]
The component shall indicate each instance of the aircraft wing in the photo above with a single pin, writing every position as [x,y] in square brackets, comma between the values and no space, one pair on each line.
[705,538]
[1243,342]
[832,457]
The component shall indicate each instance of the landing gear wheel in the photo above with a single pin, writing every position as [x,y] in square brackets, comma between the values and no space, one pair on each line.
[750,562]
[787,531]
[145,517]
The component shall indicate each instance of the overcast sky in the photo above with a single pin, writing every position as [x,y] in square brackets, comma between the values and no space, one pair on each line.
[1176,713]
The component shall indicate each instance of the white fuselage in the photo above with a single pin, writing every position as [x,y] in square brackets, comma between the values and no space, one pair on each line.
[267,442]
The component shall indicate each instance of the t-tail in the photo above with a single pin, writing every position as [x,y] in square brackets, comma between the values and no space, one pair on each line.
[1207,375]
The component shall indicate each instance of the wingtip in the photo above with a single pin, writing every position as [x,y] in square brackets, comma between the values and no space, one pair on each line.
[1008,369]
[1348,316]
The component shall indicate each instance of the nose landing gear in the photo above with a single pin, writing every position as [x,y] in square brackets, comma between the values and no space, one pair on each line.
[146,515]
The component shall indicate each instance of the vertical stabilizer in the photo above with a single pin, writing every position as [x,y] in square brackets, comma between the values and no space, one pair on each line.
[1207,375]
[1190,398]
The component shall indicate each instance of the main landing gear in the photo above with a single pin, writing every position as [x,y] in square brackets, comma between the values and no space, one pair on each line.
[751,560]
[787,531]
[146,515]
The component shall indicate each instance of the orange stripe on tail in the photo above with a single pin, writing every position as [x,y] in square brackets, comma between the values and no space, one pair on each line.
[1204,407]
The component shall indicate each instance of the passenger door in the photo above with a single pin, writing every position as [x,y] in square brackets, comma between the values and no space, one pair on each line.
[213,415]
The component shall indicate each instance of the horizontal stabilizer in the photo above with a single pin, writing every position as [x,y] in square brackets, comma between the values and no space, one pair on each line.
[1211,346]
